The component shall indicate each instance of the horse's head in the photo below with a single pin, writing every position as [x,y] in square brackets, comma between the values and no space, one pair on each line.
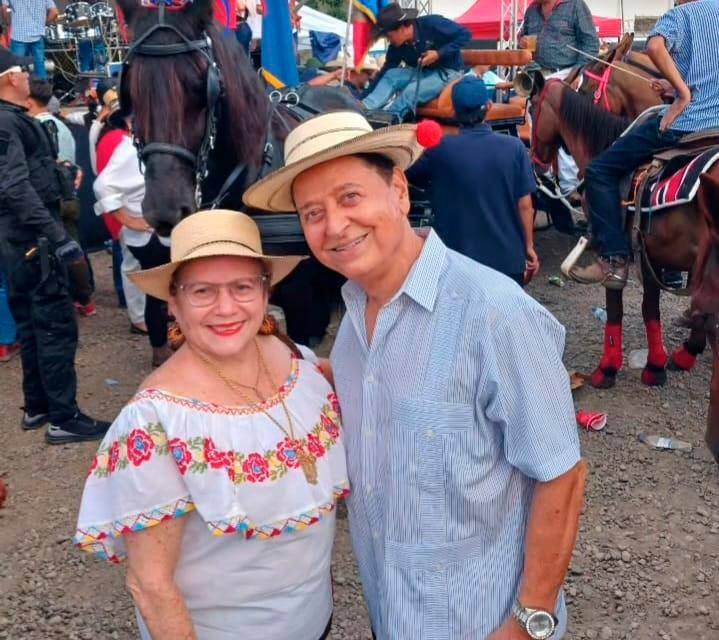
[544,103]
[173,85]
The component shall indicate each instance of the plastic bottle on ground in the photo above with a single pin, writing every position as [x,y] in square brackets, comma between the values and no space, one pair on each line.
[638,358]
[661,442]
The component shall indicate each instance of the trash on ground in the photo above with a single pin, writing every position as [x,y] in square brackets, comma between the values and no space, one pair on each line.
[638,358]
[577,380]
[556,281]
[591,421]
[600,314]
[111,383]
[661,442]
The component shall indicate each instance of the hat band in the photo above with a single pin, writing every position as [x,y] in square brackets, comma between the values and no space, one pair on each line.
[207,244]
[14,69]
[290,153]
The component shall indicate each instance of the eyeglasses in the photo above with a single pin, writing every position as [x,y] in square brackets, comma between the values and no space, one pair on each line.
[242,290]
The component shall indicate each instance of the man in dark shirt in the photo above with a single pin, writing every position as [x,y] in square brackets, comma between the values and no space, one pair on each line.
[35,251]
[481,186]
[429,46]
[556,24]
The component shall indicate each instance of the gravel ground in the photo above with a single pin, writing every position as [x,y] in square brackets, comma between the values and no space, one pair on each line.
[646,564]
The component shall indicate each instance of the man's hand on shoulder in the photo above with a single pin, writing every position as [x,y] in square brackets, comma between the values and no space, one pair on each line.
[510,630]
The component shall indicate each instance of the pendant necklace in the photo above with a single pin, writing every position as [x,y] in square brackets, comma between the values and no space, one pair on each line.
[308,462]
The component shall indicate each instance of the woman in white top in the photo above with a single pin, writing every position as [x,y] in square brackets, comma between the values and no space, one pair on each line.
[119,190]
[219,478]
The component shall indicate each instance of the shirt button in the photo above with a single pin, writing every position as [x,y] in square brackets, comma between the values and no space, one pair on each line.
[430,434]
[375,534]
[368,489]
[369,433]
[438,567]
[370,378]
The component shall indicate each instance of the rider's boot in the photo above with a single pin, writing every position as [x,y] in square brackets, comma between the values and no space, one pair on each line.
[611,272]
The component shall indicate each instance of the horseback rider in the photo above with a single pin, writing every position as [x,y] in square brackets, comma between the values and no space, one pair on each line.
[557,25]
[683,48]
[424,55]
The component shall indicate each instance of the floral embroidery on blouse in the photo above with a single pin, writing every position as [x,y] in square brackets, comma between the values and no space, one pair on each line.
[198,454]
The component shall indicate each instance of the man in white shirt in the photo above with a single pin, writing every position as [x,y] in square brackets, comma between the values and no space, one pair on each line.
[40,95]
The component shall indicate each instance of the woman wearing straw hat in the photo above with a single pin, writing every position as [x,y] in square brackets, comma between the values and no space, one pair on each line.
[219,479]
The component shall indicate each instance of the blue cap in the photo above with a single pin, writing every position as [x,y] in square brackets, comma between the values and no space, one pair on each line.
[469,94]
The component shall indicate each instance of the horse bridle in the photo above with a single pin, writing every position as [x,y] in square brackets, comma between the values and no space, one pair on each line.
[214,89]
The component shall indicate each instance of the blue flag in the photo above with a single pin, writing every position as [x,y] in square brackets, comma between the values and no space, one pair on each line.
[279,67]
[371,7]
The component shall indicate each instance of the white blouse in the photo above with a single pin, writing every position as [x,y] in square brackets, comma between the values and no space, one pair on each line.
[255,558]
[122,184]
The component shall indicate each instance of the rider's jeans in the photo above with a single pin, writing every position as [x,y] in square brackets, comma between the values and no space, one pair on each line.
[602,179]
[402,83]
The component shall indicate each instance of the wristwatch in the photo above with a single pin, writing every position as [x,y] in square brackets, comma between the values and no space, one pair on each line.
[538,624]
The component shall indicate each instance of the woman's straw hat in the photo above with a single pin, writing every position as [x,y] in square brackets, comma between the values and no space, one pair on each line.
[211,233]
[326,137]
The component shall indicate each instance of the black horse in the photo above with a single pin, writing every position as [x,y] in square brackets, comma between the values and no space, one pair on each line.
[206,130]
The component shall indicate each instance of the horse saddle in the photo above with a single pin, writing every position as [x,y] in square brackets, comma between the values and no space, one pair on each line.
[672,177]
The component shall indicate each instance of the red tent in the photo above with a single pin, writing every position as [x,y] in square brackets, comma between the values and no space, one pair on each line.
[484,17]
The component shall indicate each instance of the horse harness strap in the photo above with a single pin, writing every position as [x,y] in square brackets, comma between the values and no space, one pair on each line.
[213,87]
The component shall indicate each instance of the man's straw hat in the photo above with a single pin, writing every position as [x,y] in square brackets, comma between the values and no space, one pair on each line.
[368,64]
[211,233]
[327,137]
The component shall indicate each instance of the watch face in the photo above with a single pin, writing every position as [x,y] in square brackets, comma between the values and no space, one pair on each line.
[540,625]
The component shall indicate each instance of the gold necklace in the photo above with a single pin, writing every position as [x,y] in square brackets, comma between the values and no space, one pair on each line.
[308,462]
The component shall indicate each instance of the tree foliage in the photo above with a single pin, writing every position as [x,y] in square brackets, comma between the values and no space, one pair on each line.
[336,8]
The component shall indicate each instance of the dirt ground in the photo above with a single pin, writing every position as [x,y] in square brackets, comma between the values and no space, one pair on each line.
[646,565]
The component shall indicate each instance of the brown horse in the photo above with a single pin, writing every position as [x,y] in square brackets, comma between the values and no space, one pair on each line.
[563,117]
[705,299]
[625,87]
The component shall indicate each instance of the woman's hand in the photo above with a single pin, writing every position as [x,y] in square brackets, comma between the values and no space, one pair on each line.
[126,220]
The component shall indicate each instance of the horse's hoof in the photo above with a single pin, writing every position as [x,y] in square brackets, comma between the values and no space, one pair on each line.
[682,360]
[604,378]
[654,376]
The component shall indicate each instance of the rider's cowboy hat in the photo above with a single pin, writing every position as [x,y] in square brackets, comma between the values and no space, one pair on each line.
[391,17]
[211,233]
[327,137]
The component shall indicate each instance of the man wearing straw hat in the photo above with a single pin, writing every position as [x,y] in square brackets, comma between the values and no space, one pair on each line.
[463,456]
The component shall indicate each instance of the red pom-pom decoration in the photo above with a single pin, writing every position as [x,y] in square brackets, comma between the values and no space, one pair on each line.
[429,134]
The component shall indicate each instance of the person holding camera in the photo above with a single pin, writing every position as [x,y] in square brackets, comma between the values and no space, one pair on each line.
[36,251]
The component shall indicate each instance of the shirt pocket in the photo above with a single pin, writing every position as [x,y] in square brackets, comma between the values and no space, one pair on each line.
[426,441]
[562,26]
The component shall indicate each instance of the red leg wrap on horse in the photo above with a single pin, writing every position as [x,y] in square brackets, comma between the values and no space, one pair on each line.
[683,359]
[612,358]
[657,353]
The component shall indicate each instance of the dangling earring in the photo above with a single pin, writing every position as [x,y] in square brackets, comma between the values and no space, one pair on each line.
[269,326]
[175,337]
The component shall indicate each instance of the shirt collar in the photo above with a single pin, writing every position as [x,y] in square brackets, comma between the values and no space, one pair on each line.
[482,127]
[422,282]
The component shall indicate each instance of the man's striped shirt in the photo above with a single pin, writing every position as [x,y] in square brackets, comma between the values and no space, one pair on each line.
[452,413]
[691,33]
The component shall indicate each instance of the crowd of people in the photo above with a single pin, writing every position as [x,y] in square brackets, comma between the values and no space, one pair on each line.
[443,415]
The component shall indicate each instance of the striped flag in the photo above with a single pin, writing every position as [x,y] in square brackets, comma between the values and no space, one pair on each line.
[364,18]
[279,66]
